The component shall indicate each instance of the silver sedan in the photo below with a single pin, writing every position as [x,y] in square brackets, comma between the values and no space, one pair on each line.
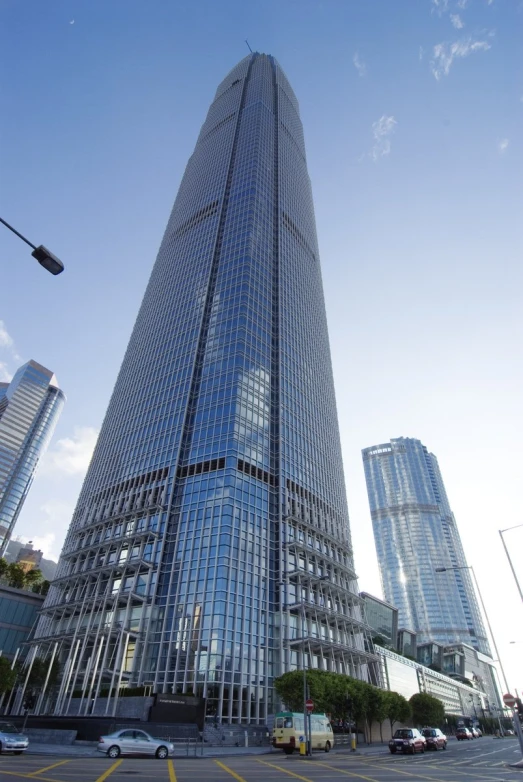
[134,742]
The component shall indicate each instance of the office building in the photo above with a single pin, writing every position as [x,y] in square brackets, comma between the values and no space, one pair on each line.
[382,618]
[415,533]
[29,409]
[29,558]
[210,545]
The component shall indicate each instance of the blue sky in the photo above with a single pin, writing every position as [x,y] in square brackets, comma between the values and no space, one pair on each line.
[412,112]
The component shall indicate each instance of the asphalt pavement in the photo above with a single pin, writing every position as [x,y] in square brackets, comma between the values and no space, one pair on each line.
[483,760]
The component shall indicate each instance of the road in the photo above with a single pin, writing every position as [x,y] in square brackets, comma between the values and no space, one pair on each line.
[485,760]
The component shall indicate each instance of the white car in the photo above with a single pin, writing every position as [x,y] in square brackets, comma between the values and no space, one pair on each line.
[134,742]
[11,740]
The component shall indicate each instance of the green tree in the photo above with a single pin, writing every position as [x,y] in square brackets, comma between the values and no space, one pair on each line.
[33,577]
[39,672]
[4,567]
[7,676]
[376,709]
[426,709]
[15,575]
[397,709]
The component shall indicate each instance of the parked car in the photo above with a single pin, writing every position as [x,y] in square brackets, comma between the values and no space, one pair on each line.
[464,734]
[407,740]
[476,733]
[509,732]
[11,740]
[434,738]
[134,742]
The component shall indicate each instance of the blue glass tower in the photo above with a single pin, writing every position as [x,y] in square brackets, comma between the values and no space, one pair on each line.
[415,532]
[210,547]
[30,406]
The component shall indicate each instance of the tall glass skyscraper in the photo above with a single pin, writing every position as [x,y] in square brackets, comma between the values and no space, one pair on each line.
[29,409]
[415,532]
[210,546]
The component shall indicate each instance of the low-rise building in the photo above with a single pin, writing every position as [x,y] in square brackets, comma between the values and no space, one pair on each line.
[382,618]
[18,614]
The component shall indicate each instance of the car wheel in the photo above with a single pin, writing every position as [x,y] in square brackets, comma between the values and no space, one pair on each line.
[288,750]
[412,750]
[18,752]
[392,750]
[423,748]
[327,746]
[114,751]
[445,745]
[162,753]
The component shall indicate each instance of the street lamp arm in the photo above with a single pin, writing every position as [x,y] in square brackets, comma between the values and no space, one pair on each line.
[18,234]
[501,531]
[45,257]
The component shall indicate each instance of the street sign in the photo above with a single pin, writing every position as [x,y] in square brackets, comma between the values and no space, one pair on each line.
[309,705]
[509,700]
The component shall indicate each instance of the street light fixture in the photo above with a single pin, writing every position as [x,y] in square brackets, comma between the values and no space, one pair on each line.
[44,256]
[501,531]
[469,567]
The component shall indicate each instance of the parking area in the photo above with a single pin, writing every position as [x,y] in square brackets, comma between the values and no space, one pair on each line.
[482,762]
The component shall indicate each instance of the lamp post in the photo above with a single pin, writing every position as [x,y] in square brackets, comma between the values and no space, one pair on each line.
[501,531]
[44,256]
[469,567]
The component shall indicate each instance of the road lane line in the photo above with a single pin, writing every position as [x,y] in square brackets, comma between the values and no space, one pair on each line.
[435,779]
[108,772]
[172,775]
[291,773]
[28,776]
[230,771]
[47,768]
[353,774]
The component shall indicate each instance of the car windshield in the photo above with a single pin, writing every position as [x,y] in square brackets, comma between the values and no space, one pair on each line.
[403,734]
[7,727]
[429,732]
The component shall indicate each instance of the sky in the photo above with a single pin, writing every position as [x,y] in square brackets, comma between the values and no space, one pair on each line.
[412,113]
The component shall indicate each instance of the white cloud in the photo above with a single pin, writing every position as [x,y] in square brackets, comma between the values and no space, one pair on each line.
[71,455]
[440,7]
[6,340]
[359,64]
[456,21]
[462,4]
[381,130]
[502,145]
[444,54]
[421,52]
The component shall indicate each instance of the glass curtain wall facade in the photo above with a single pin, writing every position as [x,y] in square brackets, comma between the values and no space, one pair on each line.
[30,406]
[210,546]
[415,532]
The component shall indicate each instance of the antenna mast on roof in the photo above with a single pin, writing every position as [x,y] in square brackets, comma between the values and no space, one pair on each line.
[247,42]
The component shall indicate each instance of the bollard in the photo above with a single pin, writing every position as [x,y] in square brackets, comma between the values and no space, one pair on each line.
[246,738]
[303,746]
[353,742]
